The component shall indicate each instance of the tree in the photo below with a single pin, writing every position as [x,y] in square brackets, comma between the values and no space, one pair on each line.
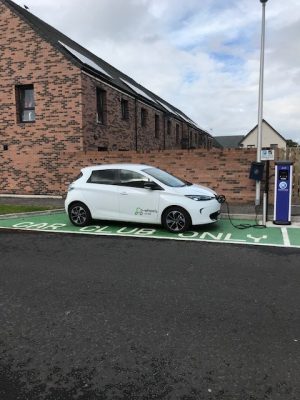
[291,143]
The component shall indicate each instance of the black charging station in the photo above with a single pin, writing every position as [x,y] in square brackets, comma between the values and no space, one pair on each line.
[256,171]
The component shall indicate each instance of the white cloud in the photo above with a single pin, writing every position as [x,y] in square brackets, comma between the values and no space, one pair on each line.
[201,56]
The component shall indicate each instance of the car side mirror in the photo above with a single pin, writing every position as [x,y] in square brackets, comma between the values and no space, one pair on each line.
[150,185]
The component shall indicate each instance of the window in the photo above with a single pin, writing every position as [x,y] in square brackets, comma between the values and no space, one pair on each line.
[124,109]
[132,179]
[101,105]
[191,139]
[143,117]
[157,126]
[25,103]
[177,134]
[203,140]
[169,127]
[273,145]
[103,176]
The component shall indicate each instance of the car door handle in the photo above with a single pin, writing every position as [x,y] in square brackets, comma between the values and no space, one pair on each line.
[124,193]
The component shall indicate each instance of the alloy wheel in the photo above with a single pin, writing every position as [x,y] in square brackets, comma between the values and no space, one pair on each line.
[175,221]
[78,215]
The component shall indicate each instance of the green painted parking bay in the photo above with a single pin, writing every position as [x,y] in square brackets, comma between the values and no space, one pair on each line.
[220,232]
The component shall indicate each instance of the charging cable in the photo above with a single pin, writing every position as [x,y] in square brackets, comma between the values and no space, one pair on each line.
[245,226]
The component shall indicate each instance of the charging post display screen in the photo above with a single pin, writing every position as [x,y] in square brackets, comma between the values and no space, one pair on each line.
[283,175]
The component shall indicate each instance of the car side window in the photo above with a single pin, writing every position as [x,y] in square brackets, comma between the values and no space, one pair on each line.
[103,176]
[132,179]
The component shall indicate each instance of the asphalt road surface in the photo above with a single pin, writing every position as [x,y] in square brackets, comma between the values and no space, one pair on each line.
[99,318]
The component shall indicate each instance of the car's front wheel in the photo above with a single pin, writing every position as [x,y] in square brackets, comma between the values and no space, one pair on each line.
[79,214]
[176,220]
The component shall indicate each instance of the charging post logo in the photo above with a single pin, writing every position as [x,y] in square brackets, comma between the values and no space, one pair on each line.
[283,185]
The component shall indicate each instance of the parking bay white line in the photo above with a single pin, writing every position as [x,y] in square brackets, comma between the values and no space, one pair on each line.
[285,236]
[285,244]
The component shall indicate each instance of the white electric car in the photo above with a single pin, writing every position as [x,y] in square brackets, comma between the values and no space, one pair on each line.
[140,193]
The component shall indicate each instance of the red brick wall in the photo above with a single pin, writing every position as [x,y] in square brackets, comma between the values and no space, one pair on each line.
[44,156]
[65,100]
[146,135]
[115,133]
[28,59]
[225,171]
[119,134]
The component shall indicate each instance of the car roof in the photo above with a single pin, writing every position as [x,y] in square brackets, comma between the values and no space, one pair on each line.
[133,167]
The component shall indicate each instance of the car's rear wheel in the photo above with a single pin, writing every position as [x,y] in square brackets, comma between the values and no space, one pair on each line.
[79,214]
[176,220]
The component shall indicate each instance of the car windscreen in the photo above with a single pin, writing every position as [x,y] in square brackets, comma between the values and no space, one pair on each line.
[165,178]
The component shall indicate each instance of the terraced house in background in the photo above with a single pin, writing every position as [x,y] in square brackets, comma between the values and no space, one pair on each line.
[57,95]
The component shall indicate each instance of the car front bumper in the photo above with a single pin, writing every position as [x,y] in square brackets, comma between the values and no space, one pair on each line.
[205,212]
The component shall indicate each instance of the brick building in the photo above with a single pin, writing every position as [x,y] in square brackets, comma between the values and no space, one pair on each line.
[57,96]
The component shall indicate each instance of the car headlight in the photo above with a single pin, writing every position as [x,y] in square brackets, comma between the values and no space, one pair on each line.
[70,188]
[200,197]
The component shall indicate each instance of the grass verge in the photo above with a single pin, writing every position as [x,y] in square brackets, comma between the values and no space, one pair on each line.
[16,208]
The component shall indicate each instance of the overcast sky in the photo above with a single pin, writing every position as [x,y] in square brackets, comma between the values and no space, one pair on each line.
[202,56]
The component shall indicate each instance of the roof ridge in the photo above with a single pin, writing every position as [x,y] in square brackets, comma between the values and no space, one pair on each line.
[266,122]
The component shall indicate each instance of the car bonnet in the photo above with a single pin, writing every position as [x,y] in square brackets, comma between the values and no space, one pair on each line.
[194,190]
